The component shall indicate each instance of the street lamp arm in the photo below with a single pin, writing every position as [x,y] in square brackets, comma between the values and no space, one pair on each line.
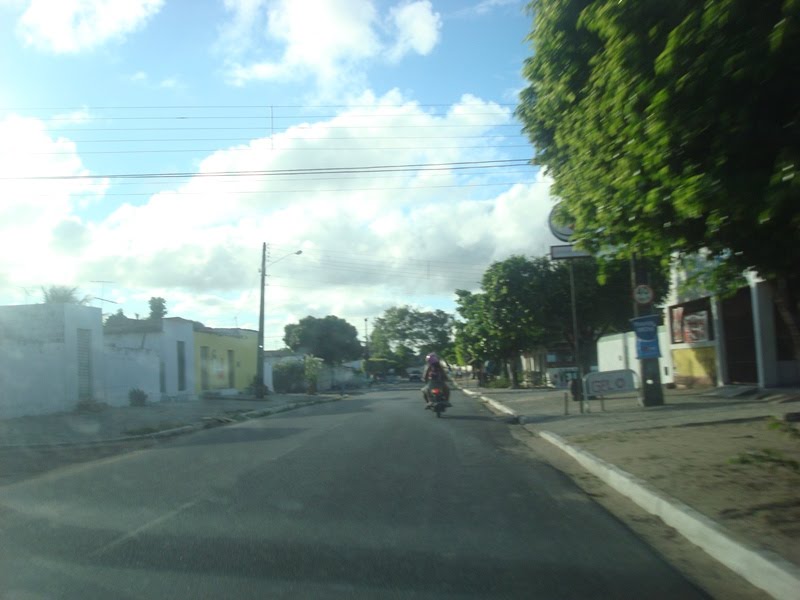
[296,252]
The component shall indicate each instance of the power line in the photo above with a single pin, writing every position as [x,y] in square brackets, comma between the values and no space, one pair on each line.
[262,106]
[398,168]
[304,138]
[328,190]
[322,177]
[272,149]
[300,127]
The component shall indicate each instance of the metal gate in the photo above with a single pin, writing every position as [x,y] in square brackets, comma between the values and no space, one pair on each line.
[84,365]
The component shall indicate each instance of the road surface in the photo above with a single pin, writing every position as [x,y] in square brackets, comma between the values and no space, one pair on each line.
[370,497]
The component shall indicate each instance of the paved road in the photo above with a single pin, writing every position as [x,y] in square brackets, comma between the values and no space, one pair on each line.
[365,498]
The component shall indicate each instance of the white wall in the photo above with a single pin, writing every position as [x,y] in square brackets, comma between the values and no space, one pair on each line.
[128,368]
[618,351]
[178,330]
[39,357]
[162,340]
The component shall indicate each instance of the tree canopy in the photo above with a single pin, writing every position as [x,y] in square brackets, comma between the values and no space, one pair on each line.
[158,308]
[117,319]
[672,128]
[332,339]
[525,304]
[404,334]
[63,294]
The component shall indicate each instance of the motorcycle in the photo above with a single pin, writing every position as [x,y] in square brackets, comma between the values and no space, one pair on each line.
[437,399]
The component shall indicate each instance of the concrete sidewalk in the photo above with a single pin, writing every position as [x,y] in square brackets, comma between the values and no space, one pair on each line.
[545,408]
[542,412]
[113,424]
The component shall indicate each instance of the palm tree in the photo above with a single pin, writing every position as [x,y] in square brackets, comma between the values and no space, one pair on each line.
[63,294]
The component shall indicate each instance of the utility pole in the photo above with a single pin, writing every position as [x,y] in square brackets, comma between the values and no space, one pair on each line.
[366,339]
[260,353]
[649,366]
[579,371]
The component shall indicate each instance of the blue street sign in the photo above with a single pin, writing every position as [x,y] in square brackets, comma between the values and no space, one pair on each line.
[646,330]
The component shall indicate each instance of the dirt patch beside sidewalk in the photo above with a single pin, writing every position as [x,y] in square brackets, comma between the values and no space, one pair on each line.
[742,475]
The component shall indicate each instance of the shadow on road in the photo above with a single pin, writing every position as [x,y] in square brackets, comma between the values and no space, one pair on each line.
[490,418]
[289,563]
[341,407]
[236,435]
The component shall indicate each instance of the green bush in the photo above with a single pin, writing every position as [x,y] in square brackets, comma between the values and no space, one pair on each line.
[498,382]
[137,397]
[289,377]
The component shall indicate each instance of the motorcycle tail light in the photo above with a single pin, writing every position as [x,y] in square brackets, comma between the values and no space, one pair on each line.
[435,390]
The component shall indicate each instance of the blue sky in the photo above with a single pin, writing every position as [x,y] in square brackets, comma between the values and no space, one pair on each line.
[155,144]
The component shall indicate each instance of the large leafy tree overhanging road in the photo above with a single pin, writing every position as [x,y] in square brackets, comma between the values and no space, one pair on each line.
[365,498]
[674,127]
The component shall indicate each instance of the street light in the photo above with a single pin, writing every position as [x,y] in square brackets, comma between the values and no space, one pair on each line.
[260,354]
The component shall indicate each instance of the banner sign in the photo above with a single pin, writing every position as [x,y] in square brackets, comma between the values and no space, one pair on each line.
[646,330]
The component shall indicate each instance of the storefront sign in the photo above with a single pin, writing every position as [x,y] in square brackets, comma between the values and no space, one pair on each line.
[607,383]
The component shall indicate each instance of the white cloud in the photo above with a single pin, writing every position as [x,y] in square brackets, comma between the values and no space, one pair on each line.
[324,39]
[36,214]
[70,26]
[167,83]
[417,28]
[368,241]
[486,6]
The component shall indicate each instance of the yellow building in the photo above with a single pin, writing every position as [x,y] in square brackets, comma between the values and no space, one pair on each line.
[225,359]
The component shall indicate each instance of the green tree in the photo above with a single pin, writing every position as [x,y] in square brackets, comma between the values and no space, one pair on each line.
[674,128]
[526,303]
[158,308]
[474,343]
[63,294]
[403,328]
[118,318]
[332,339]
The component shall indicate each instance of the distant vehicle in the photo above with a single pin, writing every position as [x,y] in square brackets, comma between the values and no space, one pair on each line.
[414,377]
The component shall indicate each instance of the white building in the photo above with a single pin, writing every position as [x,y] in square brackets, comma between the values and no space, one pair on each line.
[738,339]
[51,358]
[170,339]
[618,351]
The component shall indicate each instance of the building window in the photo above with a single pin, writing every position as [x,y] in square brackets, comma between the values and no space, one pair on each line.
[181,366]
[691,322]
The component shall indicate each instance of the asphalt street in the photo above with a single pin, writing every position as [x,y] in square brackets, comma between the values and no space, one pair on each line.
[370,497]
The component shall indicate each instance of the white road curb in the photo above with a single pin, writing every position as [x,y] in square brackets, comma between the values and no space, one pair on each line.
[499,406]
[768,571]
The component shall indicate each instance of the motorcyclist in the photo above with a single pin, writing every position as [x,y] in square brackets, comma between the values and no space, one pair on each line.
[434,374]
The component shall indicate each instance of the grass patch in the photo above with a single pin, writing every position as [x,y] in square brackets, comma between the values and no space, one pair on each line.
[766,457]
[784,427]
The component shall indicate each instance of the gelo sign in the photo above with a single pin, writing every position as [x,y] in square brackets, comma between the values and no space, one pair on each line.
[607,383]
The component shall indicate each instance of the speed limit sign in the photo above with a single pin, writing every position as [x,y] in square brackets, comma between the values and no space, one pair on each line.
[643,294]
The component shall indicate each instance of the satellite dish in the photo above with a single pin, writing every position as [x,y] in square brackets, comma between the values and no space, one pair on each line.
[562,232]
